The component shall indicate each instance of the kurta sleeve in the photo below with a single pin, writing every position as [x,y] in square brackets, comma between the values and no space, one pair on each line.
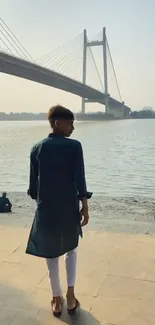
[33,182]
[80,173]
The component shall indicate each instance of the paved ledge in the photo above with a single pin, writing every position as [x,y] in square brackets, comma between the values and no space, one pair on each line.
[115,282]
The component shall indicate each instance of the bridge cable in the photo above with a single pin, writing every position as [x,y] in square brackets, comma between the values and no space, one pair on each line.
[6,45]
[114,71]
[91,74]
[64,57]
[71,68]
[52,55]
[75,64]
[58,57]
[13,42]
[69,58]
[55,51]
[17,40]
[97,69]
[6,38]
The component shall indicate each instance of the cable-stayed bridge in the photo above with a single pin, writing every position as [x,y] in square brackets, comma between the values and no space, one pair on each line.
[71,67]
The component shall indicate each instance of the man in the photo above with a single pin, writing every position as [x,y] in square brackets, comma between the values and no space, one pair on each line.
[5,204]
[57,182]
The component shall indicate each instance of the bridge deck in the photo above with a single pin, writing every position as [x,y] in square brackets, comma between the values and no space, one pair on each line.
[31,71]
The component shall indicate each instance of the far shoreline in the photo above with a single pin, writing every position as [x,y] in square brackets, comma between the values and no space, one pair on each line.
[91,120]
[146,113]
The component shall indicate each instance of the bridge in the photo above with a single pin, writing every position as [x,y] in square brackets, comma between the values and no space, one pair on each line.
[16,61]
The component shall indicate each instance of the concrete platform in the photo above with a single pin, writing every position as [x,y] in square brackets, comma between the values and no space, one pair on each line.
[115,283]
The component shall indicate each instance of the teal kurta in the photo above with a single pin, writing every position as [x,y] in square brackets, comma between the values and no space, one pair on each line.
[57,180]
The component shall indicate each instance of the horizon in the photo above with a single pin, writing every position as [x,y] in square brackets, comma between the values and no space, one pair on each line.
[39,113]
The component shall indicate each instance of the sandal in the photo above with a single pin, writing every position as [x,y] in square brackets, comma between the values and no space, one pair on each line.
[57,313]
[73,310]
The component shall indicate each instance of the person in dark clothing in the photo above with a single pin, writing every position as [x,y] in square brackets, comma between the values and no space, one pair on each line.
[5,204]
[57,183]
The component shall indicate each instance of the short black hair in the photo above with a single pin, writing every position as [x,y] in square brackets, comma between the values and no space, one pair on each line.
[59,112]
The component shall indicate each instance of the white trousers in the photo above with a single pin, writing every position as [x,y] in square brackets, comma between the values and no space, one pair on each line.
[54,276]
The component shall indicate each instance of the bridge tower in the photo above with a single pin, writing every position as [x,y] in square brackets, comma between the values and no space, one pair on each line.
[87,44]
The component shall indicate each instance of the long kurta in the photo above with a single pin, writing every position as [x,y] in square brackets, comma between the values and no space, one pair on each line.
[57,180]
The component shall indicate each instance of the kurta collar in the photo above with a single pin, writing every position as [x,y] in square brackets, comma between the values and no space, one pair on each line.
[55,135]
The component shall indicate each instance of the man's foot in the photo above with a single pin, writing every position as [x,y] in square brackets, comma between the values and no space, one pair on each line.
[56,305]
[72,305]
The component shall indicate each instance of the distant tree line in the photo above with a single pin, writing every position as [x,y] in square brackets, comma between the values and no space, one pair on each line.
[146,112]
[22,116]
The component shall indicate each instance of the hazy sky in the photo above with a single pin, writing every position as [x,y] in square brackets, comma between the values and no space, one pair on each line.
[43,25]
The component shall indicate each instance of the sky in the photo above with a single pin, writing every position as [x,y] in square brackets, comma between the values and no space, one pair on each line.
[43,25]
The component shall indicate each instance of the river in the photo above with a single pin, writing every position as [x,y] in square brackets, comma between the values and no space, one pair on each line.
[119,155]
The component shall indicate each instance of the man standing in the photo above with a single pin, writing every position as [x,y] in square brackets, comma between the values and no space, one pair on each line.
[57,183]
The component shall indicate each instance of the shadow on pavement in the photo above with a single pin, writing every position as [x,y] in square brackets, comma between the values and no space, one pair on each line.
[16,308]
[82,317]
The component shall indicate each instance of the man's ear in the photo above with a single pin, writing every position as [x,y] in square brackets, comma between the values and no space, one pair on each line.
[56,123]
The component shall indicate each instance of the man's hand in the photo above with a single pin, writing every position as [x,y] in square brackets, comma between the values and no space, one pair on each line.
[84,217]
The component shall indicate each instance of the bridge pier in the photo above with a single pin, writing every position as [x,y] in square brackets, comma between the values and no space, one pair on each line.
[86,44]
[83,106]
[84,67]
[105,71]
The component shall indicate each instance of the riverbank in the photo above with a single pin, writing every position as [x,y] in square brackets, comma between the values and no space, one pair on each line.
[115,281]
[126,215]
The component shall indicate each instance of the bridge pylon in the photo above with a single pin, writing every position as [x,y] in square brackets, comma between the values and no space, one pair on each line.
[87,44]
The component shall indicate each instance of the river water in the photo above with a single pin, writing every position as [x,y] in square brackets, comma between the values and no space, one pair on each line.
[119,155]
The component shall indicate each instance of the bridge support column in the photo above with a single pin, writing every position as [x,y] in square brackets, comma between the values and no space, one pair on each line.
[123,110]
[105,70]
[107,108]
[83,106]
[84,67]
